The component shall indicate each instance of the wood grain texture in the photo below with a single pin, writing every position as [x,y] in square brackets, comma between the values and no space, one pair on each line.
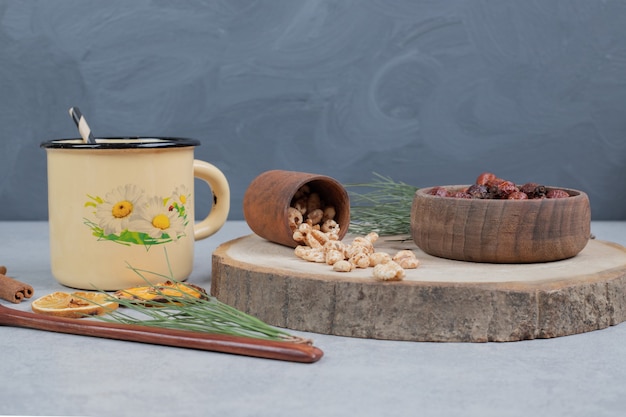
[501,231]
[441,301]
[247,346]
[269,196]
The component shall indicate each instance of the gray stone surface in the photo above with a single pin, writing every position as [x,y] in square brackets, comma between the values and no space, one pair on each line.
[54,374]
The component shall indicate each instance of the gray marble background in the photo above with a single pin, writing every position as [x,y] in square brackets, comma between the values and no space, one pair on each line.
[425,91]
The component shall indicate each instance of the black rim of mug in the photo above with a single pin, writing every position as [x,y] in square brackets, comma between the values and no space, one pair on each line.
[122,143]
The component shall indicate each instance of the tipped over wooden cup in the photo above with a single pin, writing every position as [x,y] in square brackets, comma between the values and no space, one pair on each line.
[269,197]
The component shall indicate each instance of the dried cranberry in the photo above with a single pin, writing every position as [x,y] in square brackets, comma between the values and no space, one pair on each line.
[494,182]
[507,187]
[503,189]
[439,192]
[517,195]
[478,191]
[485,178]
[557,194]
[534,190]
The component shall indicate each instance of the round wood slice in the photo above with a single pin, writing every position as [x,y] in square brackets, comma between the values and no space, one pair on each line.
[442,300]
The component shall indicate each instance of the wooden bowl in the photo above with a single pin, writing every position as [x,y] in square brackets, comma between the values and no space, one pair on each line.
[501,231]
[269,196]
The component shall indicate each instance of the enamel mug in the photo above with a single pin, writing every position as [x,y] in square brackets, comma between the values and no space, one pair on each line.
[121,210]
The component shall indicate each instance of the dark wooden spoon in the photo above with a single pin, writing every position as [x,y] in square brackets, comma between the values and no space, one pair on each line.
[238,345]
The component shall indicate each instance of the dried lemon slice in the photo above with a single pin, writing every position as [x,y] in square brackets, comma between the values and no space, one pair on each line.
[74,305]
[161,293]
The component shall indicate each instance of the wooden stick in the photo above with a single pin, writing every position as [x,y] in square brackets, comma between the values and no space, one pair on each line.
[239,345]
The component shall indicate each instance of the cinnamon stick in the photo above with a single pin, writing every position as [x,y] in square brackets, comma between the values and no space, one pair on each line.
[13,290]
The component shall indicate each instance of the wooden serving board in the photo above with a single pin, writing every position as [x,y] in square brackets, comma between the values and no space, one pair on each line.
[441,301]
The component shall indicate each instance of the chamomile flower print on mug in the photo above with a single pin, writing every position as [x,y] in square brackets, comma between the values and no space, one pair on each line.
[179,199]
[118,207]
[158,220]
[127,216]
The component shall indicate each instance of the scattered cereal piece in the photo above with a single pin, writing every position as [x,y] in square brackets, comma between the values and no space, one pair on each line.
[379,258]
[343,266]
[389,271]
[317,233]
[406,259]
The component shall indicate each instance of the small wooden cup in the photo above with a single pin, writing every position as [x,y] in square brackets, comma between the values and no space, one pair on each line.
[501,231]
[269,196]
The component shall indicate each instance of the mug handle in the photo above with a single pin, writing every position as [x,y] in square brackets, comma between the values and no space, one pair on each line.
[221,199]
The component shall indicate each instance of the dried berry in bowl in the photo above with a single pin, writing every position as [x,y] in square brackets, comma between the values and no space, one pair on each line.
[490,186]
[552,225]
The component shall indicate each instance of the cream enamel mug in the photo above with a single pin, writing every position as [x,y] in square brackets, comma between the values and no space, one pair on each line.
[121,211]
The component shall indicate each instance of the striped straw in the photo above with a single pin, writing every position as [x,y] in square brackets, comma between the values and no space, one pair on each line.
[81,123]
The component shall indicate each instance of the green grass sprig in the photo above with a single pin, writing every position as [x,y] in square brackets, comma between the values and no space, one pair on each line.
[383,207]
[199,315]
[186,312]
